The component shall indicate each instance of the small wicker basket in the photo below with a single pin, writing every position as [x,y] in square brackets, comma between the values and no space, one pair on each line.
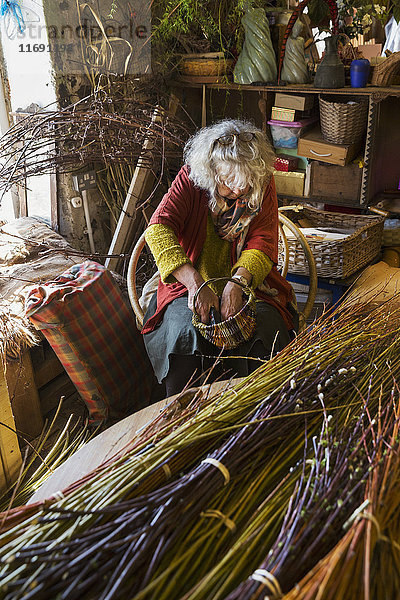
[234,331]
[205,65]
[391,237]
[341,122]
[339,258]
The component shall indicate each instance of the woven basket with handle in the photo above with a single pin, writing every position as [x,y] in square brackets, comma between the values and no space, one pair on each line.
[341,122]
[336,258]
[234,331]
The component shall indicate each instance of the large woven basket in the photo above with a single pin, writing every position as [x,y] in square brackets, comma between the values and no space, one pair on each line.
[339,258]
[341,122]
[234,331]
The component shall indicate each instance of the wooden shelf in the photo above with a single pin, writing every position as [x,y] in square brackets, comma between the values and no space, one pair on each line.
[300,88]
[226,99]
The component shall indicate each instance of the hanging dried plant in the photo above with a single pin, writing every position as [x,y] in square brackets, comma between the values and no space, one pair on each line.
[100,129]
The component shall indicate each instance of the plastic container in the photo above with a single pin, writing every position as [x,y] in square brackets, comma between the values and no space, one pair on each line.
[286,134]
[359,72]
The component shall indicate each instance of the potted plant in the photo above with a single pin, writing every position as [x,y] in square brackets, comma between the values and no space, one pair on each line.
[197,38]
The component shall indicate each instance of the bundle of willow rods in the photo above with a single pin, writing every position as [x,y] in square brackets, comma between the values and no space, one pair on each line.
[97,129]
[251,487]
[364,563]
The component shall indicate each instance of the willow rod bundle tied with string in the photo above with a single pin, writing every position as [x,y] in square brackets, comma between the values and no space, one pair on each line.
[244,493]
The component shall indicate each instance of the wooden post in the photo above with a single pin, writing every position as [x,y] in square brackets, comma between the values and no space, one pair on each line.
[140,187]
[54,200]
[10,455]
[204,107]
[262,105]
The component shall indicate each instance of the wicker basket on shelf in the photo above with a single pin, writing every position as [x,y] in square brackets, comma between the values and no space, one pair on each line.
[209,64]
[383,74]
[336,258]
[341,122]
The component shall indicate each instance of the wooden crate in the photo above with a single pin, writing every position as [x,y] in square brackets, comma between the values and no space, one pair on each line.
[335,182]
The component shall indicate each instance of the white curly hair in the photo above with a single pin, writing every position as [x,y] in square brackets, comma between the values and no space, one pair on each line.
[236,165]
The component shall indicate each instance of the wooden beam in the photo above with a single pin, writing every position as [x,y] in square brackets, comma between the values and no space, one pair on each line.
[54,201]
[204,107]
[23,199]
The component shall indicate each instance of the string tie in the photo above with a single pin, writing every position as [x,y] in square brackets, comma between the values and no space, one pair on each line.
[219,515]
[220,466]
[270,581]
[58,496]
[167,470]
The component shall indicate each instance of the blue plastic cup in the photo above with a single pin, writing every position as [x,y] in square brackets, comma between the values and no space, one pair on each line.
[359,71]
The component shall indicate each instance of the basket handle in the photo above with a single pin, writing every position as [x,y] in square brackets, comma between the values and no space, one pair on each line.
[379,211]
[247,290]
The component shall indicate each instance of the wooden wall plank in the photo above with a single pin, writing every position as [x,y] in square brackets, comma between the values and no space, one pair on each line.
[10,455]
[23,395]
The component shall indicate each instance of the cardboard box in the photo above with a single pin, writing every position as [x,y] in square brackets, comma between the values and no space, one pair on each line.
[312,145]
[289,184]
[336,183]
[294,102]
[285,162]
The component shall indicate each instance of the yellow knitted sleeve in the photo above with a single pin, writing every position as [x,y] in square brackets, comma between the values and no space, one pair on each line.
[167,252]
[257,263]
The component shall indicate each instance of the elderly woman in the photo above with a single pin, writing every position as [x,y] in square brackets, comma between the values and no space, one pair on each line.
[218,219]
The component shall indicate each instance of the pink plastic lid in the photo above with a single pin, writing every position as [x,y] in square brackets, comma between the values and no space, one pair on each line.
[301,123]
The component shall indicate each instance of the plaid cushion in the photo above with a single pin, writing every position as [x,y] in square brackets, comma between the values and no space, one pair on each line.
[92,329]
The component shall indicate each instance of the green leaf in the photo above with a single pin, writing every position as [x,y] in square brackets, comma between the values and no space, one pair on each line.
[396,11]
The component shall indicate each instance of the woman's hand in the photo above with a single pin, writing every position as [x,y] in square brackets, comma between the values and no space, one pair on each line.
[204,302]
[232,300]
[192,280]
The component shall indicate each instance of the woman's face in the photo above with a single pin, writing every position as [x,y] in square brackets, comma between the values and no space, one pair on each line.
[231,193]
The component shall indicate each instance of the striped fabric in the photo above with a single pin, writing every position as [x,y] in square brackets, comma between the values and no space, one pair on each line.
[91,328]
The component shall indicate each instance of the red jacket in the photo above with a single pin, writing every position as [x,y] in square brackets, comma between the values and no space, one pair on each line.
[184,208]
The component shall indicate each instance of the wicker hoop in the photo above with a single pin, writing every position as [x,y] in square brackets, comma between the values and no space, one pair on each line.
[233,331]
[343,123]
